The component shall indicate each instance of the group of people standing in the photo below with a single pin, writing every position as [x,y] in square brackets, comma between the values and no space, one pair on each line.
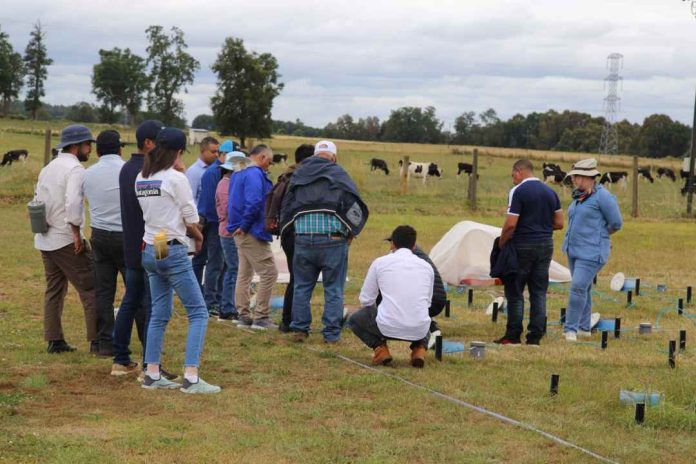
[204,232]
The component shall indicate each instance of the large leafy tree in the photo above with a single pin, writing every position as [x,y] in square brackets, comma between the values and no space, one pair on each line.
[172,70]
[247,85]
[11,72]
[36,63]
[413,125]
[119,80]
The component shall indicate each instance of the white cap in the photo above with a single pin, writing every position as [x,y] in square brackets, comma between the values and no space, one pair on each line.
[324,146]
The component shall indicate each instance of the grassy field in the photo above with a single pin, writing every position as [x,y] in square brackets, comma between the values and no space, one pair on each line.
[287,403]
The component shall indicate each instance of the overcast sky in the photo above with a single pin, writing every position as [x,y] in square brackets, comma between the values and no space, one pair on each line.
[368,57]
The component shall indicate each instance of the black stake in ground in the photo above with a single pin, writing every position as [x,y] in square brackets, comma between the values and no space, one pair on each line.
[594,280]
[682,340]
[637,287]
[680,306]
[672,349]
[447,308]
[470,297]
[563,315]
[494,316]
[554,384]
[629,297]
[640,413]
[546,323]
[617,327]
[438,347]
[688,294]
[605,338]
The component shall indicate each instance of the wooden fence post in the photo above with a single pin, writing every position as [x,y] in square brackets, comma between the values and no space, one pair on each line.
[473,180]
[634,203]
[403,172]
[47,147]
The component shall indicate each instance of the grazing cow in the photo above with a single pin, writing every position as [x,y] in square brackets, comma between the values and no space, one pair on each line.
[377,164]
[422,170]
[466,168]
[619,177]
[644,173]
[278,157]
[666,172]
[14,155]
[555,175]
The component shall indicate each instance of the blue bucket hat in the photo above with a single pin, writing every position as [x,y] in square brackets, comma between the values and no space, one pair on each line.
[74,134]
[233,161]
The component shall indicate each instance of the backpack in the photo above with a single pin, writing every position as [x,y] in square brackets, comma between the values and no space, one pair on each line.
[274,200]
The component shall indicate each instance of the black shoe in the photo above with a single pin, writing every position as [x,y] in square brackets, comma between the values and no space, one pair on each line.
[284,327]
[533,341]
[106,350]
[213,312]
[94,347]
[228,317]
[60,346]
[507,341]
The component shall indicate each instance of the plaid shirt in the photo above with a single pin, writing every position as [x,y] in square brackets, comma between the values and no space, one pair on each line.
[319,224]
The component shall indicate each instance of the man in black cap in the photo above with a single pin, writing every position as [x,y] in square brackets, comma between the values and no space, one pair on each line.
[101,189]
[136,303]
[65,256]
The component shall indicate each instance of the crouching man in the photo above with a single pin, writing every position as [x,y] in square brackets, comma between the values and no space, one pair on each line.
[406,284]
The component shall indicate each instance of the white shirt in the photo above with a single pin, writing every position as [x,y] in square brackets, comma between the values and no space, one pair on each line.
[194,174]
[167,204]
[60,188]
[406,283]
[101,190]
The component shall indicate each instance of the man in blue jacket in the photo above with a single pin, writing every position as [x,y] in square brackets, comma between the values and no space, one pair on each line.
[247,222]
[323,205]
[211,257]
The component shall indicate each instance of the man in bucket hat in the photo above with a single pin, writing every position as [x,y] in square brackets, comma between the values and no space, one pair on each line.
[63,248]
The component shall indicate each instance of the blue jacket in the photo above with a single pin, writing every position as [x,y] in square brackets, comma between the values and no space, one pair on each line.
[589,224]
[322,186]
[206,200]
[247,202]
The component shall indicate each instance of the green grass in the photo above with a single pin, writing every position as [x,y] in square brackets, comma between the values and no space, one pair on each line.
[285,403]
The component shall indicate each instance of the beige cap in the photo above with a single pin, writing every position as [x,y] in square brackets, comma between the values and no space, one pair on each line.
[586,168]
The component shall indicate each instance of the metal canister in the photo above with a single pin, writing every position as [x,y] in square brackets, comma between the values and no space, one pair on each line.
[37,216]
[645,328]
[478,349]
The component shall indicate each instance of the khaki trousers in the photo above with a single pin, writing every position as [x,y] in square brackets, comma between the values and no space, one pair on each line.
[62,266]
[255,256]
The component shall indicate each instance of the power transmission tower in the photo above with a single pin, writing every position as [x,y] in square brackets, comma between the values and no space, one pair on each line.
[692,153]
[609,144]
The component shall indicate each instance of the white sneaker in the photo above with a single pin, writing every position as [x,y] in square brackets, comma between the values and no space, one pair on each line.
[584,334]
[571,336]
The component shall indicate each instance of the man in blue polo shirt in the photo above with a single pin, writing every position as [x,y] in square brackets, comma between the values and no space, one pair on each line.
[534,212]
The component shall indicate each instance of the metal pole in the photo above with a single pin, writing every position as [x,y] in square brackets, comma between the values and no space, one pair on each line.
[634,208]
[692,161]
[47,147]
[473,181]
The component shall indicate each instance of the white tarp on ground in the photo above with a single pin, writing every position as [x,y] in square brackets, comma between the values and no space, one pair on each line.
[463,255]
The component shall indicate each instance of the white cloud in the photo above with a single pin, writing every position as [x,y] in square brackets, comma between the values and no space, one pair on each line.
[368,57]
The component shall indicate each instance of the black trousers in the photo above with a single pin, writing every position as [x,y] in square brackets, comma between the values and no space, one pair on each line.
[107,248]
[363,323]
[287,242]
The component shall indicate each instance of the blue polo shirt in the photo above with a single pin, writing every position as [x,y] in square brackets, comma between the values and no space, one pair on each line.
[535,203]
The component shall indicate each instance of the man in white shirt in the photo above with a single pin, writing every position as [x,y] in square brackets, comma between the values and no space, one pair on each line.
[63,250]
[406,284]
[102,191]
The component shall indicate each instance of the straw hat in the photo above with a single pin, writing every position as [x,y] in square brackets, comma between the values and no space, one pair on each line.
[586,168]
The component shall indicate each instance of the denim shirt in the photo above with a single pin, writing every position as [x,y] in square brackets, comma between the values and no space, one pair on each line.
[589,224]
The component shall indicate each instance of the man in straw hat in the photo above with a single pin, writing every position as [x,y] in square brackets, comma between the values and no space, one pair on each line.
[65,254]
[592,217]
[534,212]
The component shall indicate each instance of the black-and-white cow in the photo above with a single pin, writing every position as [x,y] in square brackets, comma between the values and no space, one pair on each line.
[422,170]
[14,155]
[616,177]
[644,173]
[377,164]
[278,157]
[666,172]
[555,175]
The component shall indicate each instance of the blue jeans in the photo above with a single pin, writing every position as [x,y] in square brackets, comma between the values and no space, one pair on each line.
[579,312]
[135,306]
[174,272]
[229,282]
[533,261]
[315,254]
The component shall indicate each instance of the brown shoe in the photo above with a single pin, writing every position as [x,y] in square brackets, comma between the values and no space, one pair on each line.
[418,356]
[382,356]
[299,337]
[124,369]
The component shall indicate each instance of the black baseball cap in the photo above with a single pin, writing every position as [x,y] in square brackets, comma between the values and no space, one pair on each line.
[172,138]
[403,237]
[109,142]
[148,130]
